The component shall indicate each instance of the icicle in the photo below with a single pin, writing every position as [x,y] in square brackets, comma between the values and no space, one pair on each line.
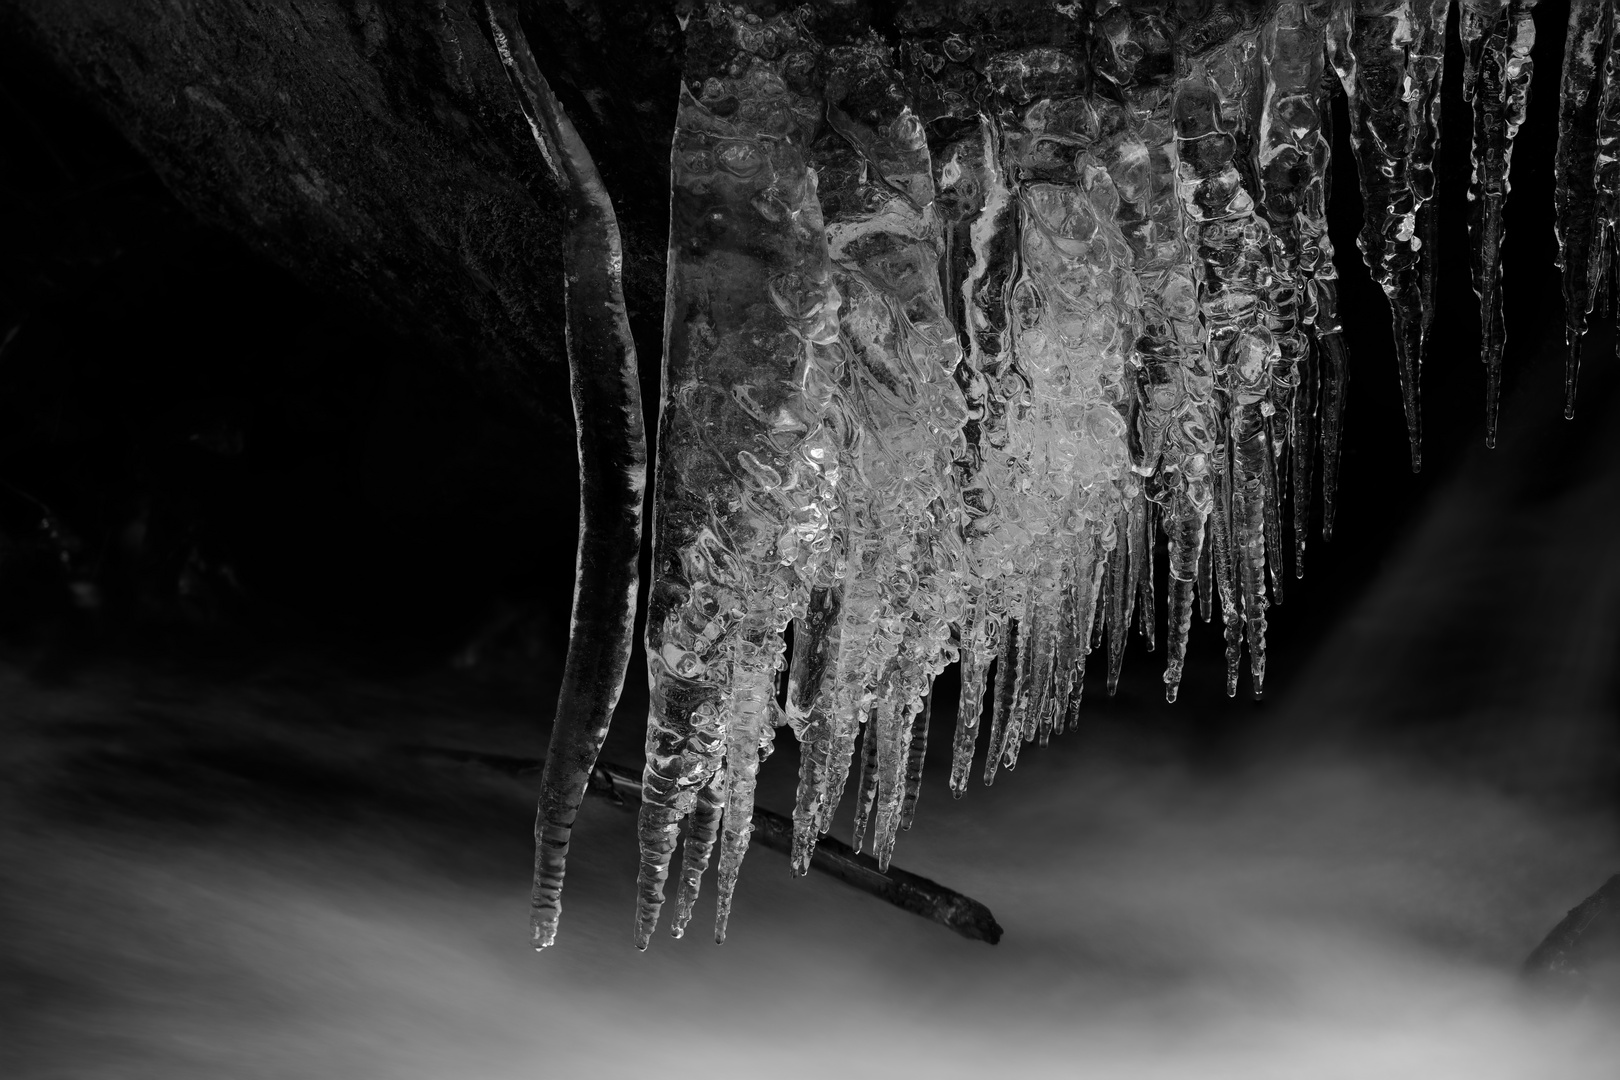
[1043,664]
[702,830]
[1302,450]
[1580,234]
[1206,570]
[1099,622]
[1224,562]
[1089,569]
[970,705]
[894,717]
[840,757]
[1023,723]
[1606,171]
[810,711]
[1018,714]
[605,386]
[948,342]
[1065,700]
[1242,301]
[745,467]
[900,389]
[1185,528]
[1249,462]
[916,754]
[1271,500]
[1293,155]
[1176,386]
[1002,704]
[1426,66]
[866,785]
[749,736]
[689,749]
[1330,361]
[1335,374]
[1368,48]
[1121,597]
[1497,36]
[1144,526]
[1073,322]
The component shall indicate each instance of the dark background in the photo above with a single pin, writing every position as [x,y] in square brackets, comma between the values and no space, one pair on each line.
[196,447]
[258,547]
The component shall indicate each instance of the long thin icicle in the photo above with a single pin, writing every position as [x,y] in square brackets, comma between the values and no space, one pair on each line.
[1331,354]
[1606,173]
[810,711]
[1497,36]
[1369,45]
[1293,153]
[1580,233]
[606,391]
[1241,302]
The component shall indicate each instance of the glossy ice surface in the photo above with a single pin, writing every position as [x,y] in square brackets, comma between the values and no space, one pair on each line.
[964,310]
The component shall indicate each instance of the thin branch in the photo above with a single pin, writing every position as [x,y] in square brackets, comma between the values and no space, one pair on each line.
[905,890]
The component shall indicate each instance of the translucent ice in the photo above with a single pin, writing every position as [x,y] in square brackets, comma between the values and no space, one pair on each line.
[1372,45]
[746,456]
[606,390]
[962,313]
[1582,240]
[1497,36]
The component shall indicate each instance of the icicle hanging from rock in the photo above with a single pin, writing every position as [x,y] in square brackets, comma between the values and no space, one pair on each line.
[606,390]
[1497,36]
[1370,44]
[1583,232]
[959,318]
[747,451]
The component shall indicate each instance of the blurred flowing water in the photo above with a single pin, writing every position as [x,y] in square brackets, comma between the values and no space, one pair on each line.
[242,873]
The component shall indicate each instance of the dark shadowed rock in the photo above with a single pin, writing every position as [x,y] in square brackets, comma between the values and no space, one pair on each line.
[378,150]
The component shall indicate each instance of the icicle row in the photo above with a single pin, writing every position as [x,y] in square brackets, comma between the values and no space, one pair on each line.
[954,328]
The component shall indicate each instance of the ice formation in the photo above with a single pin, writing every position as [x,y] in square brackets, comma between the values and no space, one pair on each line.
[605,384]
[966,309]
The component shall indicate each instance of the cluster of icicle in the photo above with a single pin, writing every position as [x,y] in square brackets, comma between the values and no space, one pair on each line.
[963,315]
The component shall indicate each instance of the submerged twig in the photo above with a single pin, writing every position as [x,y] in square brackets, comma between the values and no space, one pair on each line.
[905,890]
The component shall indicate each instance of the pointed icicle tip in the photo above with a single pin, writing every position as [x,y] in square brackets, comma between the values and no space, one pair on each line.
[645,925]
[1572,371]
